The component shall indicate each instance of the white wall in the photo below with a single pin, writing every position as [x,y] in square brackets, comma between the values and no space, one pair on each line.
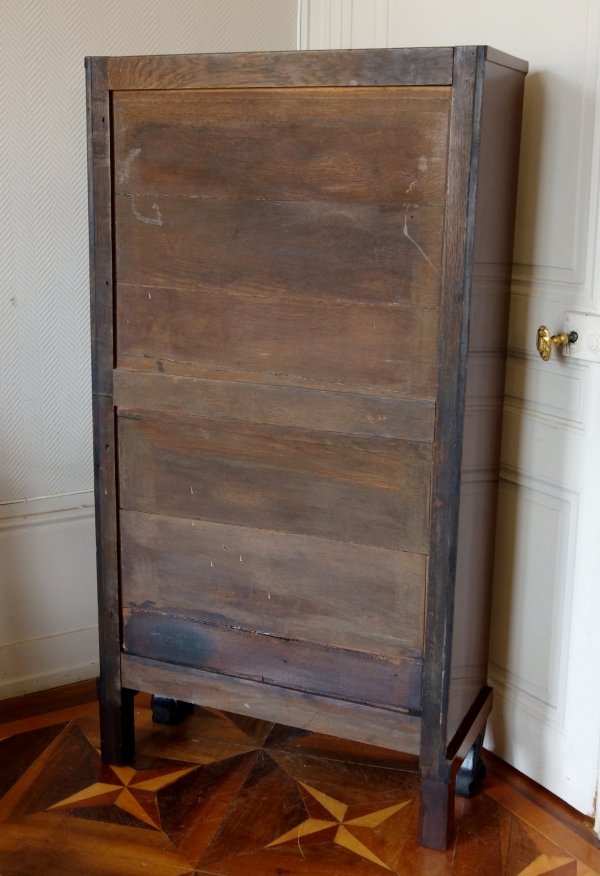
[47,565]
[545,644]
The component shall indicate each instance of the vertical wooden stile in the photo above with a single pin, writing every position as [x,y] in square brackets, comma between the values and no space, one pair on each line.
[116,703]
[463,154]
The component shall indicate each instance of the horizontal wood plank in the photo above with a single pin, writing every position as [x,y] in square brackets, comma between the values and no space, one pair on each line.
[345,412]
[362,723]
[385,146]
[355,348]
[368,491]
[305,666]
[326,345]
[328,251]
[283,69]
[295,586]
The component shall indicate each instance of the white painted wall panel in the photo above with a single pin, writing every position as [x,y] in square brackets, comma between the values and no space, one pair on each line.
[545,644]
[47,563]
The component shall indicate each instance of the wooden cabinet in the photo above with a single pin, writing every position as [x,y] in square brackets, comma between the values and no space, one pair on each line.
[300,281]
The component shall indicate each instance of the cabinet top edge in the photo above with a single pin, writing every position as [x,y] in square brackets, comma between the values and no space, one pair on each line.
[338,67]
[492,54]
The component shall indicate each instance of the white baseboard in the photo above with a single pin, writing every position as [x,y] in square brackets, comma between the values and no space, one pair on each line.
[48,610]
[40,664]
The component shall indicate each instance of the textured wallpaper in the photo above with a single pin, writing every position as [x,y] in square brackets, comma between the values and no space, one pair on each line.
[45,402]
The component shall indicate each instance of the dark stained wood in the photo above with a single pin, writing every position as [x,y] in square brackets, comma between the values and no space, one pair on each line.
[314,251]
[471,726]
[319,714]
[305,666]
[456,284]
[116,704]
[486,364]
[344,412]
[366,491]
[212,143]
[436,821]
[284,69]
[293,586]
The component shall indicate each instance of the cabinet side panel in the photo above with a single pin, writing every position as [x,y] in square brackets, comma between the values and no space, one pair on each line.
[486,362]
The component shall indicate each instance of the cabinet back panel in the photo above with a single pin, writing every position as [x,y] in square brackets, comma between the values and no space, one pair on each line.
[366,491]
[278,267]
[363,145]
[300,587]
[352,347]
[345,412]
[271,660]
[288,233]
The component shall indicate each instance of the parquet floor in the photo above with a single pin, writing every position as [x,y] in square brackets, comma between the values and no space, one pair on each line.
[230,795]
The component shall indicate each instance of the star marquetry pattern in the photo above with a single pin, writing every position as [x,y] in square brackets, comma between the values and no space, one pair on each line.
[133,791]
[550,865]
[343,837]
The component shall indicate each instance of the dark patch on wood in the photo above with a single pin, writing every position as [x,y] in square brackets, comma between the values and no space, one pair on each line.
[304,666]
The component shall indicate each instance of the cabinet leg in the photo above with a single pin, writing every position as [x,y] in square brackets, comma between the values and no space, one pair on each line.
[436,815]
[117,731]
[168,711]
[472,770]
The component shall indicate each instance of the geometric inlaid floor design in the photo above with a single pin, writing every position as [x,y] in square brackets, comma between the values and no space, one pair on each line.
[230,795]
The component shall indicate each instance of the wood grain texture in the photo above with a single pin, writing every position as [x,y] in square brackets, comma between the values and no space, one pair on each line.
[115,704]
[458,251]
[300,587]
[374,145]
[284,69]
[224,789]
[484,392]
[368,491]
[305,666]
[316,713]
[323,251]
[344,412]
[337,346]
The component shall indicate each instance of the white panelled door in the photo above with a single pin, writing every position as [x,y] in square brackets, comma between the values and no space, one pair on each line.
[545,648]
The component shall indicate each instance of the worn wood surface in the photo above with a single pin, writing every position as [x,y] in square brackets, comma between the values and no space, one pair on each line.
[373,145]
[116,712]
[436,814]
[347,675]
[349,489]
[308,250]
[343,412]
[344,595]
[284,69]
[329,345]
[456,283]
[319,714]
[484,392]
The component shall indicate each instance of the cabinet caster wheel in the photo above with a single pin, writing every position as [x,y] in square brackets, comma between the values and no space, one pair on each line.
[472,770]
[168,711]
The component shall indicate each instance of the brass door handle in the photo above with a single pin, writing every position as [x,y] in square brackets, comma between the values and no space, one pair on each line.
[545,341]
